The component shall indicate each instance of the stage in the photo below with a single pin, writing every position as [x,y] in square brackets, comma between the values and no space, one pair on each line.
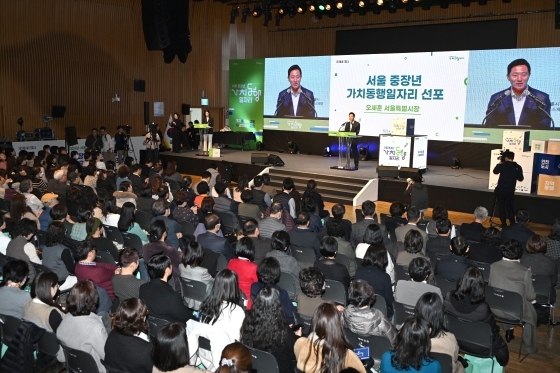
[459,190]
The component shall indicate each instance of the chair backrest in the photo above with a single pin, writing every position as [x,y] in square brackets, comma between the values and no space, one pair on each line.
[289,283]
[444,361]
[111,369]
[4,206]
[173,185]
[104,257]
[132,240]
[42,237]
[48,344]
[470,335]
[79,361]
[192,289]
[39,267]
[380,304]
[359,215]
[186,226]
[155,325]
[113,234]
[303,320]
[542,286]
[229,221]
[344,260]
[143,219]
[483,267]
[401,273]
[506,301]
[435,257]
[9,327]
[377,345]
[303,254]
[335,291]
[401,312]
[263,362]
[221,263]
[445,285]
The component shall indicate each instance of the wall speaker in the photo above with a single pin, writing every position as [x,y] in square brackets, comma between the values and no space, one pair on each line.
[71,136]
[275,160]
[139,85]
[146,113]
[154,24]
[388,171]
[186,109]
[259,158]
[58,111]
[406,172]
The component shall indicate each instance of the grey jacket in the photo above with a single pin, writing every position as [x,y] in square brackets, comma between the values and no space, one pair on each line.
[368,321]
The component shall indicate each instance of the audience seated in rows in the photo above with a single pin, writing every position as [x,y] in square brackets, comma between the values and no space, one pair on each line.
[302,236]
[359,229]
[408,292]
[262,245]
[439,212]
[413,217]
[473,231]
[158,237]
[453,266]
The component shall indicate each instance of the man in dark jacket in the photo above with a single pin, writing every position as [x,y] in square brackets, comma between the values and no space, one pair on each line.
[510,173]
[441,243]
[475,230]
[518,231]
[453,267]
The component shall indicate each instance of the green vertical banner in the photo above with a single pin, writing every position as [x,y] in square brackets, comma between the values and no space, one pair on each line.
[246,104]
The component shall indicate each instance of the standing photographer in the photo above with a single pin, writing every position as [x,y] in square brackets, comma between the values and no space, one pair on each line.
[418,193]
[152,141]
[510,173]
[120,144]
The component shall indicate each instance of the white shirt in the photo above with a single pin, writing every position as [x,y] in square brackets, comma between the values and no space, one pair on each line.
[33,202]
[4,241]
[518,103]
[111,219]
[230,321]
[295,99]
[107,143]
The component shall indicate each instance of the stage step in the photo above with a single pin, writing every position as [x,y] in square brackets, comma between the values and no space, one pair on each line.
[337,189]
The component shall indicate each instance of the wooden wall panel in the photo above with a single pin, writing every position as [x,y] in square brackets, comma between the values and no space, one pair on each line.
[80,53]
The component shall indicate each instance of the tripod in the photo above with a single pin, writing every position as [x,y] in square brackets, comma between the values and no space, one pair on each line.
[130,148]
[492,222]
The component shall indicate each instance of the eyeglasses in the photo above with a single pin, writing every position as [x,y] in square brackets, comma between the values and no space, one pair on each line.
[516,75]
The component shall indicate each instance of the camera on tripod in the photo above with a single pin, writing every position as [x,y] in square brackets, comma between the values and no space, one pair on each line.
[127,129]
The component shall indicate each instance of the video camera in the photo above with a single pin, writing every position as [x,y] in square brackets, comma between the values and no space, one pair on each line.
[506,153]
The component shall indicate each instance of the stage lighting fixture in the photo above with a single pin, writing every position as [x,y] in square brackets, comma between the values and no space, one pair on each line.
[321,5]
[456,164]
[404,1]
[339,4]
[312,8]
[482,2]
[302,7]
[292,147]
[444,4]
[376,10]
[327,152]
[379,2]
[328,6]
[257,11]
[246,12]
[233,14]
[363,153]
[466,3]
[292,11]
[278,18]
[282,10]
[362,4]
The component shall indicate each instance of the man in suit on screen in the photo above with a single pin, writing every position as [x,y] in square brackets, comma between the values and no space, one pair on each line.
[520,104]
[295,101]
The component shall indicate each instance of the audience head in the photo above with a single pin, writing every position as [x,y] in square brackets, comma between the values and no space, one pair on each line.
[146,190]
[360,294]
[412,345]
[459,246]
[94,227]
[536,245]
[202,188]
[159,266]
[83,250]
[192,254]
[268,271]
[83,298]
[302,219]
[171,348]
[266,178]
[280,241]
[130,318]
[220,188]
[160,207]
[45,287]
[512,250]
[276,209]
[126,219]
[251,227]
[225,289]
[242,182]
[236,358]
[109,206]
[207,205]
[522,216]
[247,196]
[84,212]
[15,272]
[480,213]
[419,269]
[56,233]
[413,241]
[376,255]
[413,214]
[158,229]
[329,247]
[396,209]
[258,181]
[335,228]
[368,208]
[212,222]
[309,205]
[288,184]
[471,283]
[338,210]
[18,207]
[439,212]
[443,226]
[58,212]
[171,168]
[430,308]
[129,256]
[312,282]
[491,236]
[245,248]
[373,234]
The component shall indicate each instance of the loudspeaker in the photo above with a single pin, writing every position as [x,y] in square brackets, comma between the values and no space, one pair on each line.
[58,111]
[557,15]
[186,109]
[154,24]
[259,158]
[406,172]
[146,113]
[139,85]
[388,171]
[71,136]
[275,160]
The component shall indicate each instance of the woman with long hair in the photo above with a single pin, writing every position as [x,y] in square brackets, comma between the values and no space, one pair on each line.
[222,308]
[125,194]
[157,245]
[206,208]
[190,269]
[57,257]
[171,172]
[103,182]
[372,235]
[326,349]
[265,328]
[20,210]
[430,308]
[244,267]
[109,210]
[128,347]
[411,353]
[127,224]
[235,358]
[42,310]
[242,184]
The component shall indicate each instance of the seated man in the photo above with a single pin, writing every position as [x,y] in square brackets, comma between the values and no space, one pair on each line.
[222,202]
[358,229]
[328,266]
[473,231]
[125,284]
[260,197]
[453,267]
[408,292]
[162,301]
[413,217]
[517,231]
[288,203]
[262,245]
[273,222]
[303,236]
[440,244]
[88,269]
[211,241]
[247,208]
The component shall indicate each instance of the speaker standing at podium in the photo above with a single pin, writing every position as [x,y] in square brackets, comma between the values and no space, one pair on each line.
[353,126]
[510,173]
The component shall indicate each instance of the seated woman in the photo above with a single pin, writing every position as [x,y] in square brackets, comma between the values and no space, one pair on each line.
[123,172]
[265,328]
[190,269]
[539,264]
[372,235]
[205,208]
[183,211]
[202,189]
[82,329]
[438,212]
[157,245]
[360,318]
[171,172]
[280,243]
[13,296]
[19,210]
[311,191]
[488,249]
[110,212]
[411,353]
[74,200]
[103,182]
[222,308]
[244,267]
[312,283]
[20,246]
[315,222]
[127,224]
[145,200]
[373,271]
[57,257]
[468,303]
[79,229]
[268,273]
[326,349]
[128,347]
[125,194]
[330,268]
[42,310]
[247,208]
[430,308]
[236,358]
[413,243]
[242,184]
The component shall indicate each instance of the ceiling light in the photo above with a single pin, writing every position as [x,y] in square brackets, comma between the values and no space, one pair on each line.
[302,7]
[339,4]
[245,14]
[234,13]
[257,11]
[379,2]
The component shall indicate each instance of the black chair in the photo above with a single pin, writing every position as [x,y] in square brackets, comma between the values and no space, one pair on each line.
[42,237]
[187,227]
[9,326]
[107,245]
[102,194]
[132,240]
[377,345]
[221,263]
[48,344]
[435,257]
[104,257]
[79,361]
[509,303]
[111,369]
[358,262]
[380,304]
[40,267]
[344,260]
[303,320]
[472,336]
[359,215]
[483,267]
[229,222]
[401,273]
[401,312]
[143,219]
[543,288]
[445,285]
[113,234]
[289,283]
[444,361]
[304,255]
[263,362]
[192,289]
[155,325]
[335,291]
[4,206]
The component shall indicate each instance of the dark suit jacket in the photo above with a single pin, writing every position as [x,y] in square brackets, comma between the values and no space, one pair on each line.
[472,231]
[530,116]
[358,230]
[333,271]
[210,261]
[380,281]
[438,245]
[518,232]
[452,267]
[128,353]
[163,302]
[305,107]
[217,244]
[136,180]
[352,127]
[305,238]
[262,247]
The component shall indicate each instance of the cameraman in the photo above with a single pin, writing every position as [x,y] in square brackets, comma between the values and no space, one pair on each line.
[418,193]
[152,141]
[120,144]
[510,173]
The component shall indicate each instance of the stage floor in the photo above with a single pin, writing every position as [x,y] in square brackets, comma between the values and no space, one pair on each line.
[435,175]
